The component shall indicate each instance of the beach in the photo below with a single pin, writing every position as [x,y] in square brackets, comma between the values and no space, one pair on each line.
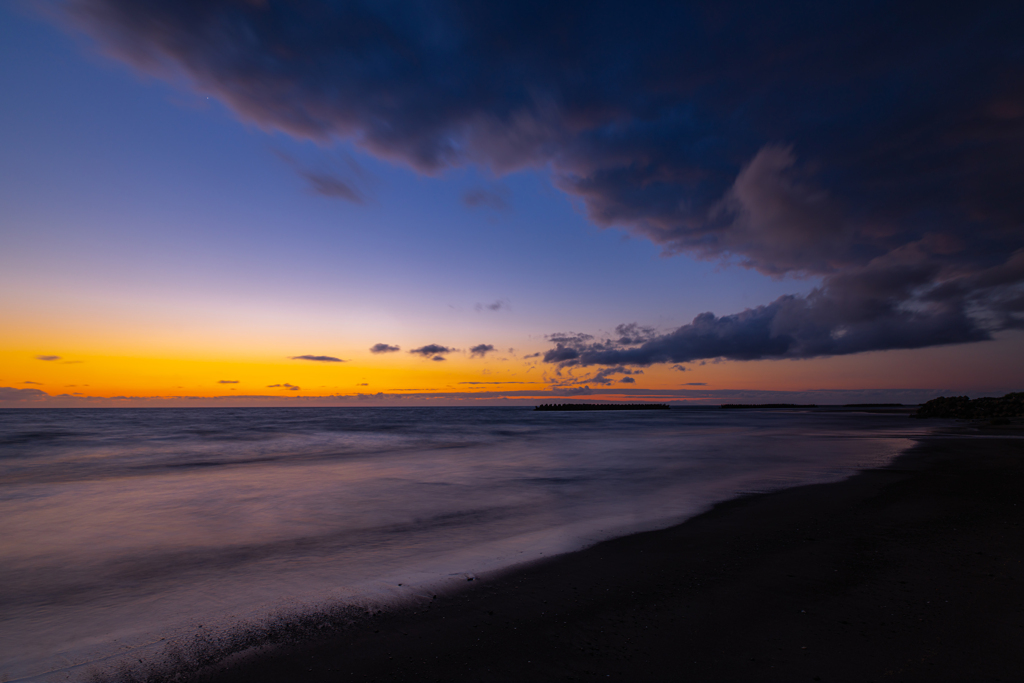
[913,571]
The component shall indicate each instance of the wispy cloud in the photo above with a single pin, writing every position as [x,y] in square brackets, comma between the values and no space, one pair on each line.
[48,358]
[228,381]
[30,382]
[499,382]
[321,359]
[330,182]
[497,305]
[289,387]
[328,185]
[481,197]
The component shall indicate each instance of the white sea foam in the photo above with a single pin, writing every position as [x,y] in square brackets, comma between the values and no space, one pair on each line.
[124,530]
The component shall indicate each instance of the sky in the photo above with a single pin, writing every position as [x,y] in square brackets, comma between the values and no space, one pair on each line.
[443,203]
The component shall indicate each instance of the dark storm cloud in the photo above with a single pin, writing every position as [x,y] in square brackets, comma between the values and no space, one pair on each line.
[481,350]
[850,313]
[431,350]
[47,357]
[878,146]
[384,348]
[322,359]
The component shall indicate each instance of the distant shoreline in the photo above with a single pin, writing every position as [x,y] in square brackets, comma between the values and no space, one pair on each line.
[554,407]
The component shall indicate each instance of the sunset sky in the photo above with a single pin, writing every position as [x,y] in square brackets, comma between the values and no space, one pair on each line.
[311,203]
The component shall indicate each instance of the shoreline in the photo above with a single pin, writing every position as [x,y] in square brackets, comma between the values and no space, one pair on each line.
[914,571]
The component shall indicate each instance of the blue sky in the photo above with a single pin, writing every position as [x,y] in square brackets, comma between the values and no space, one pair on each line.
[156,215]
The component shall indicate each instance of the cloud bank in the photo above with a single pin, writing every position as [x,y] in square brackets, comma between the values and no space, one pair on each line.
[878,147]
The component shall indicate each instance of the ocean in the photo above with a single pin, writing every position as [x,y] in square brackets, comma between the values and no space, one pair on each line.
[126,532]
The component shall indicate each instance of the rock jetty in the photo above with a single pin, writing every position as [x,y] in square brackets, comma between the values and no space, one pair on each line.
[963,408]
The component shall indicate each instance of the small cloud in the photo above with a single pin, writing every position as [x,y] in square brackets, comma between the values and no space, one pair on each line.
[680,368]
[481,350]
[695,384]
[431,350]
[329,185]
[481,197]
[627,380]
[532,355]
[228,381]
[72,362]
[362,384]
[384,348]
[273,386]
[498,305]
[30,382]
[289,387]
[438,358]
[322,359]
[47,357]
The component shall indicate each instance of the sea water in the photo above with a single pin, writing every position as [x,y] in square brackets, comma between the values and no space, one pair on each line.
[123,531]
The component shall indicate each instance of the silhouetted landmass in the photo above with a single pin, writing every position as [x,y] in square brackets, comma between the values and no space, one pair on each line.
[734,406]
[963,408]
[603,406]
[872,405]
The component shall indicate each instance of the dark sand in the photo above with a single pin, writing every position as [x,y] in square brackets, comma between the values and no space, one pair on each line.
[913,572]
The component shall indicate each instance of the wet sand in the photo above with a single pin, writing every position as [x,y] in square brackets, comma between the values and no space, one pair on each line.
[914,572]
